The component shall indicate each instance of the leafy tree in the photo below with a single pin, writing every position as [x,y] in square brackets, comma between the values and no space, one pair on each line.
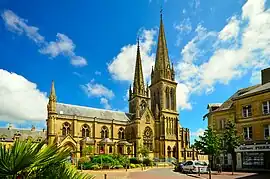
[36,160]
[88,150]
[144,151]
[231,140]
[209,144]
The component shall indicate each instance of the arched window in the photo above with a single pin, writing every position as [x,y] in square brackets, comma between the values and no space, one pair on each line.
[104,132]
[167,98]
[129,150]
[143,105]
[172,99]
[85,131]
[110,149]
[121,133]
[66,129]
[167,125]
[148,138]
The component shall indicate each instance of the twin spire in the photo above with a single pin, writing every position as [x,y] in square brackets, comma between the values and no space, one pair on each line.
[163,69]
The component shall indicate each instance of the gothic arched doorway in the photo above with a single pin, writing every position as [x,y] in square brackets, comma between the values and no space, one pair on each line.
[72,149]
[174,152]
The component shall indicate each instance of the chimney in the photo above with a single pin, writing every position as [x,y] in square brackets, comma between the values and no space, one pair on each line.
[33,128]
[265,73]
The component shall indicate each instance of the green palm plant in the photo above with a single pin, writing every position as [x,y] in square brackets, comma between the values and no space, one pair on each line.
[28,160]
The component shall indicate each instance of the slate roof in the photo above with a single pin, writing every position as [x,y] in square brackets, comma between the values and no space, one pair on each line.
[8,134]
[259,88]
[83,111]
[228,103]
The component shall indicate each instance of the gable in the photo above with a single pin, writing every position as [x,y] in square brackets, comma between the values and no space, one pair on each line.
[147,117]
[67,139]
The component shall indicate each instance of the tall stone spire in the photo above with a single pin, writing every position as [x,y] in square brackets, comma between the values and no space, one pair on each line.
[138,83]
[52,100]
[162,63]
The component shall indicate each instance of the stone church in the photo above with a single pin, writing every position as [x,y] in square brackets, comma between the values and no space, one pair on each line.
[152,121]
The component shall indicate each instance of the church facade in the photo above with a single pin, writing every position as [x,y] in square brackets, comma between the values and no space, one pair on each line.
[152,121]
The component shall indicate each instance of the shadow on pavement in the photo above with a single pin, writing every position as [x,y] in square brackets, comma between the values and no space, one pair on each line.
[256,176]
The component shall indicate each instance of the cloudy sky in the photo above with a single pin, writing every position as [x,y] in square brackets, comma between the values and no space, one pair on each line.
[89,47]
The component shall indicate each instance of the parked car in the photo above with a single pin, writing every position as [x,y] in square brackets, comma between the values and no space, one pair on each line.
[195,167]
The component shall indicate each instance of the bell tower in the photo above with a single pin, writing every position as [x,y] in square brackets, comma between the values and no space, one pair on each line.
[163,95]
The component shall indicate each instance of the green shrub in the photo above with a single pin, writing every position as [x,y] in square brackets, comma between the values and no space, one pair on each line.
[147,162]
[138,165]
[132,165]
[86,166]
[95,167]
[118,166]
[135,160]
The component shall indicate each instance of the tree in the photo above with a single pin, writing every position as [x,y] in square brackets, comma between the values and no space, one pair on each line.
[144,151]
[231,140]
[26,159]
[209,144]
[88,150]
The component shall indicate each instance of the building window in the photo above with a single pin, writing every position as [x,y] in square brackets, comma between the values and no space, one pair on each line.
[172,100]
[266,107]
[66,129]
[246,110]
[129,150]
[104,132]
[121,134]
[248,133]
[222,124]
[267,132]
[148,138]
[85,131]
[167,98]
[110,149]
[253,160]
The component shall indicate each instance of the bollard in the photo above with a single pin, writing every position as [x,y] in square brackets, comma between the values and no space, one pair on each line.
[199,172]
[105,176]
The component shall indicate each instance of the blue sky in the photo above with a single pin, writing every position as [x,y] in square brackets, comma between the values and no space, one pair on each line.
[89,47]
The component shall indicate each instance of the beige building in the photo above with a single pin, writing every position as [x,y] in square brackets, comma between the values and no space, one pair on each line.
[152,121]
[249,108]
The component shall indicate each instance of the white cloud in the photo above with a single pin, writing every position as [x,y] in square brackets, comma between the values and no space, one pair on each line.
[219,57]
[105,103]
[62,46]
[123,65]
[183,28]
[97,90]
[198,133]
[20,99]
[18,25]
[231,30]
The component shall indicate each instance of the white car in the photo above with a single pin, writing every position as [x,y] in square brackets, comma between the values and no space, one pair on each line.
[195,167]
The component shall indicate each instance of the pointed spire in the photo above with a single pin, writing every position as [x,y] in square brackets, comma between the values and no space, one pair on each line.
[52,99]
[162,63]
[52,94]
[130,92]
[138,83]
